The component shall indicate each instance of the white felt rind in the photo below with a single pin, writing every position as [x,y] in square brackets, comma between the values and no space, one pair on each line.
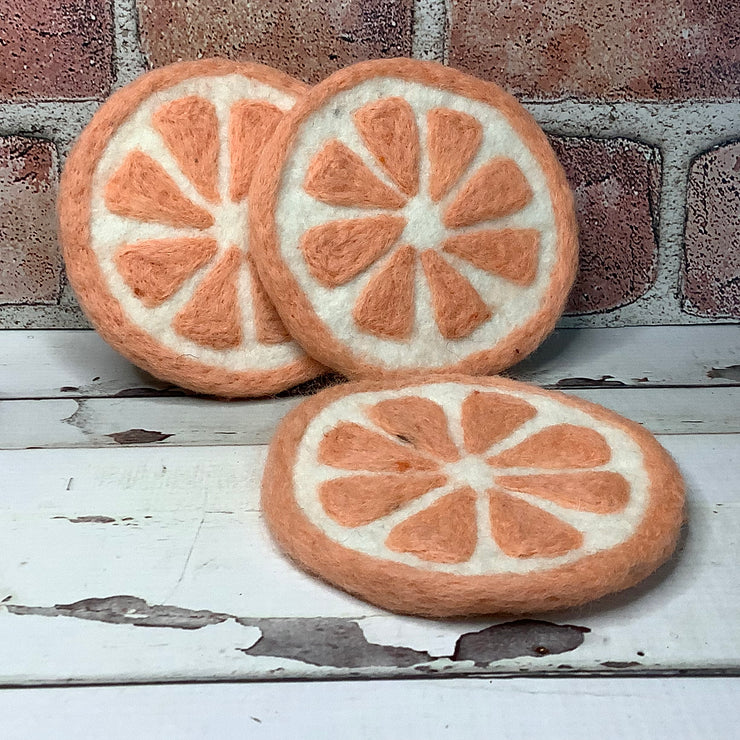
[600,531]
[109,231]
[296,212]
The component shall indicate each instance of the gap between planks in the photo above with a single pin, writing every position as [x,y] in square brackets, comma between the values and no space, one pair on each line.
[190,421]
[67,363]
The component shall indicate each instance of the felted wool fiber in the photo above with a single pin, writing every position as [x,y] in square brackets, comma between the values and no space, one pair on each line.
[457,495]
[409,218]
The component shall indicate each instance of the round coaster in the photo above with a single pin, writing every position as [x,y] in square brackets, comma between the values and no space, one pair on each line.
[462,495]
[413,218]
[153,213]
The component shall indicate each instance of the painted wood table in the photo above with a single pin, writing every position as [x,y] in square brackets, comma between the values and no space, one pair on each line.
[133,550]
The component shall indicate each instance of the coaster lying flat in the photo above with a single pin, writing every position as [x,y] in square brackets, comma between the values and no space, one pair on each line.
[461,495]
[153,218]
[411,217]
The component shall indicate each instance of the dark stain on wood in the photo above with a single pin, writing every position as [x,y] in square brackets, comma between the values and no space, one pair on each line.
[127,610]
[731,372]
[523,637]
[69,389]
[326,641]
[620,663]
[605,381]
[147,392]
[329,641]
[94,519]
[137,437]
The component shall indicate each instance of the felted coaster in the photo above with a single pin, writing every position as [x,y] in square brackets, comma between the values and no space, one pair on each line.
[460,495]
[412,218]
[153,212]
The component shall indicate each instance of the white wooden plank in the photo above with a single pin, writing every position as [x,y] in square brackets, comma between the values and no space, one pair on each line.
[54,364]
[112,422]
[181,527]
[520,709]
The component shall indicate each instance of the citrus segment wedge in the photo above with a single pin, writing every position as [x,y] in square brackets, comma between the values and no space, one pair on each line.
[484,204]
[154,213]
[398,492]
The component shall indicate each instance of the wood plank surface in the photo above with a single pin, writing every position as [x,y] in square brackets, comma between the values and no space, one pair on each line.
[153,564]
[519,709]
[64,364]
[115,422]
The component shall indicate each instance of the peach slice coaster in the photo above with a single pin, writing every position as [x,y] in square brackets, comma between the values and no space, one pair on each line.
[459,495]
[154,211]
[391,165]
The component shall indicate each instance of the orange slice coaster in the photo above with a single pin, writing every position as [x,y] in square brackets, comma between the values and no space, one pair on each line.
[412,218]
[154,215]
[460,495]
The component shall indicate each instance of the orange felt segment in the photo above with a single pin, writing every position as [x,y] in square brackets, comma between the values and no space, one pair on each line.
[498,188]
[339,177]
[599,491]
[388,128]
[386,305]
[141,189]
[352,447]
[338,250]
[525,531]
[490,417]
[189,128]
[250,126]
[445,532]
[156,268]
[212,316]
[417,421]
[458,309]
[510,253]
[558,446]
[360,499]
[447,160]
[268,325]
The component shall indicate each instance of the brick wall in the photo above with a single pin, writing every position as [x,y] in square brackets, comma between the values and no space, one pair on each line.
[641,101]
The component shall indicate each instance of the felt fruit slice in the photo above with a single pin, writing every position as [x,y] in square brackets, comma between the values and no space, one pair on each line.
[154,211]
[460,495]
[411,218]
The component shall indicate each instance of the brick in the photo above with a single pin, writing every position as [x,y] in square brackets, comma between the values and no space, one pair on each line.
[55,49]
[307,39]
[30,259]
[711,275]
[601,49]
[616,184]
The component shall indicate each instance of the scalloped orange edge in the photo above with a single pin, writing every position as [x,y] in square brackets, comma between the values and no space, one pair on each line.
[83,270]
[293,305]
[408,590]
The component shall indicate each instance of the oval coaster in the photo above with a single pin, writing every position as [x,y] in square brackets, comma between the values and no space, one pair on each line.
[412,218]
[460,495]
[153,223]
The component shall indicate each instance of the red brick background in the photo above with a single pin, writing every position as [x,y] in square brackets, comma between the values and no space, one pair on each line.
[601,49]
[578,57]
[712,267]
[616,184]
[30,262]
[53,50]
[305,38]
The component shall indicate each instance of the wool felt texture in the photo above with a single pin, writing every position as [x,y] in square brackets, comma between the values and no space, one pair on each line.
[386,305]
[337,251]
[153,224]
[449,162]
[389,131]
[350,492]
[491,222]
